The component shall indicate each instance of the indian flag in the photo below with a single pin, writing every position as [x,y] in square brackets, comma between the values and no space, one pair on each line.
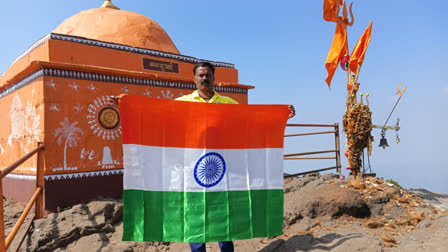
[197,172]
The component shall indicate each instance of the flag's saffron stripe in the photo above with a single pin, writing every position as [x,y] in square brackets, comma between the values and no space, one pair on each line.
[155,122]
[201,217]
[172,169]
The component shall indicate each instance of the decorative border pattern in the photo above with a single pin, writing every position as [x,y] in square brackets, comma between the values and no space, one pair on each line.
[68,175]
[33,46]
[126,48]
[53,72]
[23,82]
[83,175]
[119,47]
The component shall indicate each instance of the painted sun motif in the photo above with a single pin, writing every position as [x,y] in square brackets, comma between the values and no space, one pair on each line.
[103,120]
[109,118]
[210,169]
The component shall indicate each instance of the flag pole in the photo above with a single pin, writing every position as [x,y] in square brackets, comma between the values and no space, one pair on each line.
[348,74]
[348,52]
[354,81]
[348,82]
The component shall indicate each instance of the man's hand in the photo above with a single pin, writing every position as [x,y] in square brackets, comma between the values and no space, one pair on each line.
[113,101]
[292,111]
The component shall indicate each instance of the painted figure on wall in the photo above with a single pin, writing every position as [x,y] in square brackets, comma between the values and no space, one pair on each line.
[17,115]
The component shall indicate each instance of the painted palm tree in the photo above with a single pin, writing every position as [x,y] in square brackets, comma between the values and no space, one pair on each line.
[70,133]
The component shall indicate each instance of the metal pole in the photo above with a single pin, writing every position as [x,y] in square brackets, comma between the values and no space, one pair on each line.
[310,125]
[338,147]
[308,172]
[386,127]
[290,158]
[310,133]
[363,163]
[401,94]
[2,220]
[16,164]
[16,227]
[24,235]
[40,181]
[308,153]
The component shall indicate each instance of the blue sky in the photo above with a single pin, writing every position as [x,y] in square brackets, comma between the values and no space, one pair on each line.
[280,47]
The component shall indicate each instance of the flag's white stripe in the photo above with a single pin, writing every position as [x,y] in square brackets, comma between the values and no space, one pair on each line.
[172,169]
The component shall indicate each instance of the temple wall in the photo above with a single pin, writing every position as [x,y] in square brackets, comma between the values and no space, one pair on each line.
[83,132]
[85,54]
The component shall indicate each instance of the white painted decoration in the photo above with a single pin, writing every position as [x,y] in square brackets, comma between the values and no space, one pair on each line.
[147,93]
[17,115]
[74,86]
[107,161]
[78,108]
[51,84]
[93,110]
[91,87]
[54,107]
[166,95]
[69,134]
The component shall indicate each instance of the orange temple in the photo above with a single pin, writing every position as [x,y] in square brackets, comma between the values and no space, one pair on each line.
[56,92]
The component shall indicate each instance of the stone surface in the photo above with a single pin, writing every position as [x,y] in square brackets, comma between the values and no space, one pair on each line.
[437,200]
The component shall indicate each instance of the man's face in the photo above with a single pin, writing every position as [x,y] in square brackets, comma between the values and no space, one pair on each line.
[204,79]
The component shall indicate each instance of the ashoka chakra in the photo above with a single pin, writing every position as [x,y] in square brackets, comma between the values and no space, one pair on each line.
[210,169]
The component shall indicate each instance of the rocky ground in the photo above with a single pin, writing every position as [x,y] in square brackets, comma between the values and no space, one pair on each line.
[322,213]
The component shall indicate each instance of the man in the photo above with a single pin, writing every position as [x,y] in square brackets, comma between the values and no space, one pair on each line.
[204,78]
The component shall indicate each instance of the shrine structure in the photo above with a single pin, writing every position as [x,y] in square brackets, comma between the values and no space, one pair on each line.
[57,91]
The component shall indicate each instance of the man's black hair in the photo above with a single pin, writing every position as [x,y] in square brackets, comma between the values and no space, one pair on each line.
[204,64]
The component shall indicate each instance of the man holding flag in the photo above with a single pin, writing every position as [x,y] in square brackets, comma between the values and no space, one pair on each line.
[202,197]
[204,77]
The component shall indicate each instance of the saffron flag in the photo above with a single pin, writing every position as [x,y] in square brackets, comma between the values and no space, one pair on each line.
[339,48]
[198,172]
[331,9]
[359,52]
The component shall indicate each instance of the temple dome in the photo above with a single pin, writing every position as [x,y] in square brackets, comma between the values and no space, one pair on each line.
[118,26]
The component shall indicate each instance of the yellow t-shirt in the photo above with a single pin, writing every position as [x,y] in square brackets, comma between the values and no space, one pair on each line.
[217,98]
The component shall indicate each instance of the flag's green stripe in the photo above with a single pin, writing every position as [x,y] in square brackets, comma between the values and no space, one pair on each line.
[201,217]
